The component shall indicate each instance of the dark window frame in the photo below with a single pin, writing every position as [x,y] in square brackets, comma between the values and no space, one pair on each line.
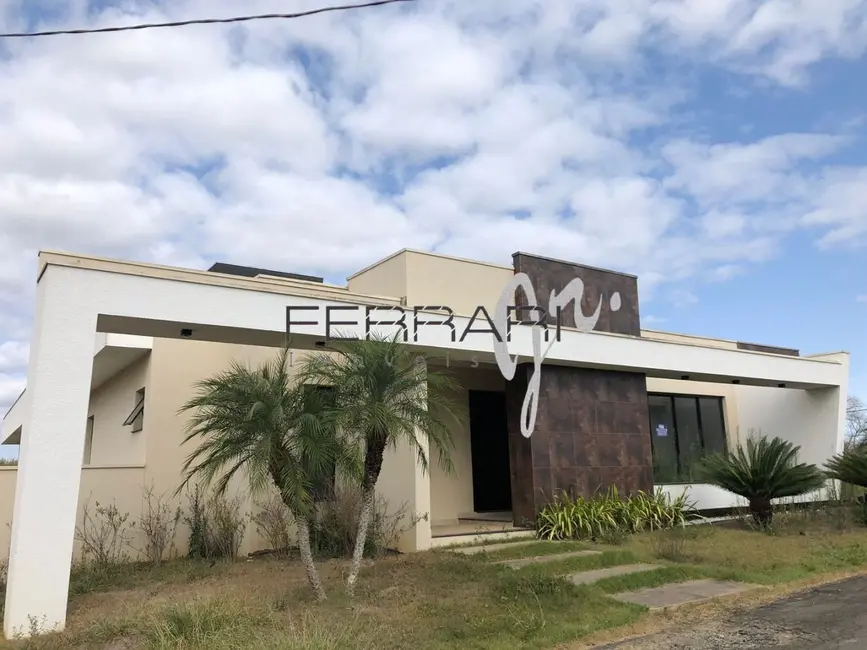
[681,471]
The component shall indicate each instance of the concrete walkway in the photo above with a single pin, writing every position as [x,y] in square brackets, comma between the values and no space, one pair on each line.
[589,577]
[520,563]
[682,593]
[489,548]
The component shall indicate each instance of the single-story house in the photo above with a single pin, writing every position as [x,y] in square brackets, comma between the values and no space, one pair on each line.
[117,347]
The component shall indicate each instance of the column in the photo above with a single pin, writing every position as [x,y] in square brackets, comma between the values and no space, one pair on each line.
[49,464]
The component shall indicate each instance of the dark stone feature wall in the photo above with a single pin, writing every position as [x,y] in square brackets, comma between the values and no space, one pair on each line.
[547,274]
[592,426]
[755,347]
[592,432]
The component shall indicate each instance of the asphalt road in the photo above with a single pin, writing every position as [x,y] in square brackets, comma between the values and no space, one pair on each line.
[831,617]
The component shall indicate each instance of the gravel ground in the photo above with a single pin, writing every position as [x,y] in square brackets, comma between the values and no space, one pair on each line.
[831,617]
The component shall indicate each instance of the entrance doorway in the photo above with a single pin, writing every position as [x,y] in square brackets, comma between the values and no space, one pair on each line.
[489,446]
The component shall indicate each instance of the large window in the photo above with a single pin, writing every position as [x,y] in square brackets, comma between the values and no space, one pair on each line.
[683,429]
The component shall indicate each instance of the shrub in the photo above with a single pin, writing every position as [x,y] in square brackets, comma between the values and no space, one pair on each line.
[273,522]
[850,466]
[158,525]
[104,535]
[216,524]
[608,515]
[763,470]
[334,532]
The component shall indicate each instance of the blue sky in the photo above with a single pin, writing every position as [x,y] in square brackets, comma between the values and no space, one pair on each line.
[718,150]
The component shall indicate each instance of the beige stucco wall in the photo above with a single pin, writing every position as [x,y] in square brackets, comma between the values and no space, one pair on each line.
[110,404]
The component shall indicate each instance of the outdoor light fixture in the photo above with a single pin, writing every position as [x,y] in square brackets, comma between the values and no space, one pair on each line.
[320,344]
[684,377]
[736,381]
[186,333]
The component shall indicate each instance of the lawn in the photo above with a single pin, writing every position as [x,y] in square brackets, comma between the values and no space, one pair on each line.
[431,600]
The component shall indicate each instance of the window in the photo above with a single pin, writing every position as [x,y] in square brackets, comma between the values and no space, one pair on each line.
[683,430]
[88,441]
[324,484]
[136,418]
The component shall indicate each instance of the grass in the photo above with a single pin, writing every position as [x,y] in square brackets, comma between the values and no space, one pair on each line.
[433,600]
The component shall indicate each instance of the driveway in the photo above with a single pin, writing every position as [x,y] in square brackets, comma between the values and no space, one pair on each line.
[830,617]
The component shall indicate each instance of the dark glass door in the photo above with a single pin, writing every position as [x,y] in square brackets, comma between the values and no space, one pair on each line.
[489,446]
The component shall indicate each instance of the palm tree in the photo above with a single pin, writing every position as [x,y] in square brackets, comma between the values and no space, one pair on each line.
[765,470]
[262,421]
[385,396]
[849,466]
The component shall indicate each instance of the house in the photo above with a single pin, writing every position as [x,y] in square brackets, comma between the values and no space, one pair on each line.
[117,347]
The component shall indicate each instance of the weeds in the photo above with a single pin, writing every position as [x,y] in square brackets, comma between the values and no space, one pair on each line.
[104,535]
[158,525]
[217,526]
[273,522]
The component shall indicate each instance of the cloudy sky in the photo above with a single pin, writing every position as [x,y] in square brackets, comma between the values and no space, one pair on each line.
[716,148]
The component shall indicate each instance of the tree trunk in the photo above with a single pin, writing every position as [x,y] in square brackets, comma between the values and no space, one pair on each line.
[364,518]
[762,512]
[372,466]
[307,558]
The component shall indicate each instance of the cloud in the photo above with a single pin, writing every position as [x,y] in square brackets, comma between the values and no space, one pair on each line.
[862,298]
[472,128]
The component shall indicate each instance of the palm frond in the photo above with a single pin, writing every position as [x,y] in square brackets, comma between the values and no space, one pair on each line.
[849,466]
[762,469]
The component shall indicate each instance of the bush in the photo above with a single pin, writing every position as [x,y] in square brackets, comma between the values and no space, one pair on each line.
[104,535]
[158,525]
[336,526]
[273,522]
[607,515]
[216,524]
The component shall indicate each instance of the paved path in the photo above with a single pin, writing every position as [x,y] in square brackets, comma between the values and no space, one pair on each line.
[831,617]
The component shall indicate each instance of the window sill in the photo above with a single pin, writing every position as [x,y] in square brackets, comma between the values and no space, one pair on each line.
[112,466]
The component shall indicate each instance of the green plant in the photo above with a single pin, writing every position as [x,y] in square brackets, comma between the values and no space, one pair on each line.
[761,471]
[265,422]
[216,525]
[850,466]
[384,395]
[608,514]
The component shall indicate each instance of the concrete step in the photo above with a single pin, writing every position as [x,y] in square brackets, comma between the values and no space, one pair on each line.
[520,563]
[490,548]
[588,577]
[683,593]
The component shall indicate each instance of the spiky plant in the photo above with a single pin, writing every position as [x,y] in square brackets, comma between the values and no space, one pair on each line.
[849,466]
[762,470]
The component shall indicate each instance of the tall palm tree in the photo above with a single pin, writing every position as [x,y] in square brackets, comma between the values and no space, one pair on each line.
[384,396]
[764,470]
[264,422]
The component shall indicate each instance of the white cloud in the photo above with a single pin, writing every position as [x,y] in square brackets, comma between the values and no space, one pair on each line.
[862,298]
[478,128]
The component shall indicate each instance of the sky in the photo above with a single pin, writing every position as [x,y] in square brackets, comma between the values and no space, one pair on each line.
[715,148]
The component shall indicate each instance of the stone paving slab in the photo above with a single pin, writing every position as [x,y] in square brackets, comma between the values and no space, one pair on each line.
[520,563]
[587,577]
[682,593]
[472,550]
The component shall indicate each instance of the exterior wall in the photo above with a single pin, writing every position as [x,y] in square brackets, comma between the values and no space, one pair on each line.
[385,278]
[463,285]
[110,404]
[452,494]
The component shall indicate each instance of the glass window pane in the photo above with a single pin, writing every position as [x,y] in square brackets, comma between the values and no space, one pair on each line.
[662,434]
[712,424]
[688,435]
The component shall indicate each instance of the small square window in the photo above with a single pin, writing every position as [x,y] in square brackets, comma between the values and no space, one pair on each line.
[136,418]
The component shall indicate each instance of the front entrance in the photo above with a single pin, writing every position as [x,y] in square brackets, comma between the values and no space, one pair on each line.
[489,447]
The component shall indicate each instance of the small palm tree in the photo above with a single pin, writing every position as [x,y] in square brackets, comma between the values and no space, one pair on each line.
[385,396]
[850,466]
[766,469]
[264,423]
